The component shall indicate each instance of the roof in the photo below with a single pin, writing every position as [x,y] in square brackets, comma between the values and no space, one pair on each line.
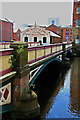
[53,34]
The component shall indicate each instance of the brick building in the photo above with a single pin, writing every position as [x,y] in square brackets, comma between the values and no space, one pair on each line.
[35,33]
[56,30]
[76,22]
[17,35]
[67,34]
[6,31]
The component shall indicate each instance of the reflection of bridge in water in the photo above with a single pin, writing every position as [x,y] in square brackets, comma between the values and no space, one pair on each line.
[64,102]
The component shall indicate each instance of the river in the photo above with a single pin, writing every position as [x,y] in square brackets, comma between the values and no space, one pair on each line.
[64,101]
[59,92]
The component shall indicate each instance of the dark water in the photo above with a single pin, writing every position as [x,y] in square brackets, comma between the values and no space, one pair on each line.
[64,102]
[58,91]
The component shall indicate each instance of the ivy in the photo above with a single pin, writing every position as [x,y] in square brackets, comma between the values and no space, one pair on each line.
[12,59]
[20,49]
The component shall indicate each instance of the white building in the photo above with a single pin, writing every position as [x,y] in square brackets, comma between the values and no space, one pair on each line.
[36,34]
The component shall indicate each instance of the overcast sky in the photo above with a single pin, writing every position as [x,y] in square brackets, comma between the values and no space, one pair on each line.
[39,12]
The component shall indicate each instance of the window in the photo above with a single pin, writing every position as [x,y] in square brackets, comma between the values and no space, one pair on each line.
[66,40]
[67,33]
[62,30]
[71,29]
[44,39]
[70,39]
[26,39]
[67,29]
[78,10]
[57,31]
[35,39]
[77,22]
[70,36]
[71,33]
[67,37]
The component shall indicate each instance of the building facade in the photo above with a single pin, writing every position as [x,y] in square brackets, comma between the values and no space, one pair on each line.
[76,22]
[57,31]
[6,31]
[67,34]
[54,29]
[17,35]
[36,34]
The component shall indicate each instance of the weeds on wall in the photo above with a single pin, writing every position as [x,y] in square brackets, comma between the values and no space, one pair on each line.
[12,59]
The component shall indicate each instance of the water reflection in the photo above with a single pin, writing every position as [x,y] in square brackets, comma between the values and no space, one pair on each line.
[74,103]
[65,100]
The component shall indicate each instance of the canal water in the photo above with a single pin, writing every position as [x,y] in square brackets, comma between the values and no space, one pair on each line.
[63,100]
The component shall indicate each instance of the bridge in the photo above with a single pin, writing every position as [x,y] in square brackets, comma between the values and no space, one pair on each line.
[40,57]
[16,82]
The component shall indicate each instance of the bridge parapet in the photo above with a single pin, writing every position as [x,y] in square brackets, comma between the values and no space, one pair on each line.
[5,54]
[68,46]
[40,52]
[6,79]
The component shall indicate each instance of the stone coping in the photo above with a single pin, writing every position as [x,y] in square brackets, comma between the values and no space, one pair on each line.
[7,76]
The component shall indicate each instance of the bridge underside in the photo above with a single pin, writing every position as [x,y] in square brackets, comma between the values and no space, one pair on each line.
[46,66]
[46,69]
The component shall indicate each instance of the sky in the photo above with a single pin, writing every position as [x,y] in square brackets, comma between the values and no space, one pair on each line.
[21,12]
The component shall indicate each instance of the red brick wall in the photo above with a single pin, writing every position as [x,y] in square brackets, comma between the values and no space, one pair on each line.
[6,31]
[75,15]
[17,35]
[64,33]
[54,28]
[56,40]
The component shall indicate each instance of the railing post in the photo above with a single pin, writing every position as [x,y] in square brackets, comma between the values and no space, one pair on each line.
[51,49]
[35,54]
[23,98]
[56,48]
[64,50]
[21,66]
[44,51]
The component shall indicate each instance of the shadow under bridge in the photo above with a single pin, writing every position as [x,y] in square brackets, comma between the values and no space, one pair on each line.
[45,72]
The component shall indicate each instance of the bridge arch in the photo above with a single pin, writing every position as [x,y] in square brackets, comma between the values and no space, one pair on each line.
[69,54]
[44,66]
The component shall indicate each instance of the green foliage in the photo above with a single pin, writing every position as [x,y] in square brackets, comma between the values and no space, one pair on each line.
[12,60]
[20,49]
